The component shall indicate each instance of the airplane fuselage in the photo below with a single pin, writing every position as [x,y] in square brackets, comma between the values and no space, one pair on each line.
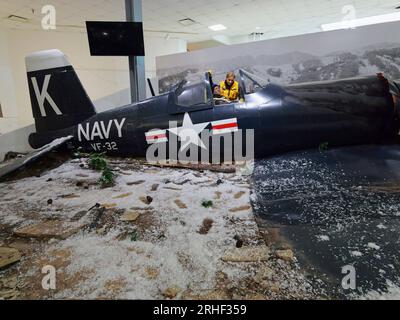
[282,119]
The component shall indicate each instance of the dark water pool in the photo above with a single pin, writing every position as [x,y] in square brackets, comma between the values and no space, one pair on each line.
[336,208]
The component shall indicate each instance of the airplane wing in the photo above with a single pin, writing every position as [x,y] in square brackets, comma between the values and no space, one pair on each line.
[335,208]
[15,164]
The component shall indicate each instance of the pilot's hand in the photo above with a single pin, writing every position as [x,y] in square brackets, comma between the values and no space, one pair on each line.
[223,100]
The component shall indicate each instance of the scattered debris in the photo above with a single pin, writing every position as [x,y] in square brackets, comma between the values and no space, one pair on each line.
[9,294]
[181,183]
[142,209]
[239,194]
[13,155]
[172,292]
[247,254]
[152,273]
[356,254]
[286,255]
[274,287]
[103,230]
[373,246]
[97,214]
[239,241]
[241,208]
[265,273]
[8,256]
[115,286]
[172,188]
[48,230]
[154,187]
[135,183]
[97,205]
[82,175]
[125,195]
[109,205]
[146,200]
[323,238]
[70,196]
[79,215]
[180,204]
[207,225]
[130,216]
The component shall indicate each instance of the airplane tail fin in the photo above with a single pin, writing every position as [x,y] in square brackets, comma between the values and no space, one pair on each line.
[58,98]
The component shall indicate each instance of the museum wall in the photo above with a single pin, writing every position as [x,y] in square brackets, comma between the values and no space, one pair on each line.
[9,113]
[159,46]
[16,141]
[101,76]
[105,79]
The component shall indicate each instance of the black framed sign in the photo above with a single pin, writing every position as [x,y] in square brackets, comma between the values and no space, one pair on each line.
[115,38]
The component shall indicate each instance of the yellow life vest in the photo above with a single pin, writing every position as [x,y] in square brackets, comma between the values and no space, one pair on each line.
[230,94]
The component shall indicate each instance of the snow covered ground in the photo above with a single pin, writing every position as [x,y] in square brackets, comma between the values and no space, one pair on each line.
[153,237]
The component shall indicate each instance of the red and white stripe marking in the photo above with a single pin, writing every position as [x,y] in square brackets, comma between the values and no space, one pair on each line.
[156,136]
[224,126]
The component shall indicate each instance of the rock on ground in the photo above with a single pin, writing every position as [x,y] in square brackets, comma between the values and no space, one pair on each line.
[8,256]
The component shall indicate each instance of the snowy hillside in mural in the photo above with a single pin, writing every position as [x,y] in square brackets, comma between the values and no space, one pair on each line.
[297,66]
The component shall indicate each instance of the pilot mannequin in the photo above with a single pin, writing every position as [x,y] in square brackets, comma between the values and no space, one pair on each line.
[230,88]
[219,97]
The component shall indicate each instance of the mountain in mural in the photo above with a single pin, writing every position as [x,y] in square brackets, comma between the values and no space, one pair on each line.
[298,67]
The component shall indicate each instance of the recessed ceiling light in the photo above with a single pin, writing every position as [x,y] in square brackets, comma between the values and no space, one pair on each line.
[258,28]
[217,27]
[361,22]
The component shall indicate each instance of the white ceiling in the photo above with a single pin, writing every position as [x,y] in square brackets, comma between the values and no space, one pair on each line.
[275,18]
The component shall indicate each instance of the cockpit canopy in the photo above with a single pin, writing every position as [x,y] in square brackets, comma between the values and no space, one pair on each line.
[197,93]
[193,94]
[251,83]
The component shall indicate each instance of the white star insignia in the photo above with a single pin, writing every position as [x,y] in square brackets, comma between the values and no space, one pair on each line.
[189,133]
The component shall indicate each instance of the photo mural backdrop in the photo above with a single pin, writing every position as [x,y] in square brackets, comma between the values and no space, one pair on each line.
[312,57]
